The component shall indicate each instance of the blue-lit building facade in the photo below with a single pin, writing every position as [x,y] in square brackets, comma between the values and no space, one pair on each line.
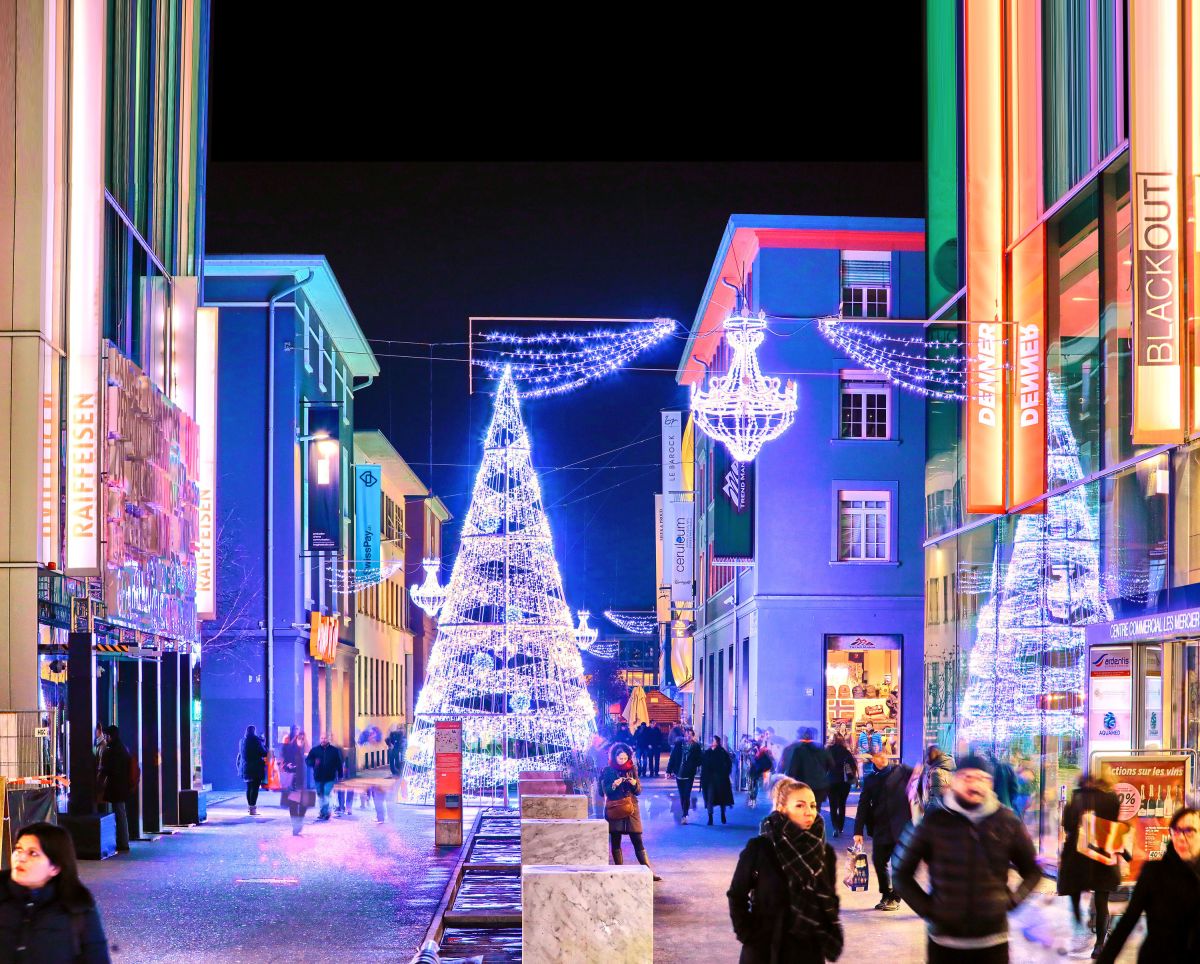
[808,575]
[280,650]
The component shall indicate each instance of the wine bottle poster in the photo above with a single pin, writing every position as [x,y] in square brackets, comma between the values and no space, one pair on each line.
[1151,789]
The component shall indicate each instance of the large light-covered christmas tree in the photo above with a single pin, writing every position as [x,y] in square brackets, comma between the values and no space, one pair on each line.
[505,661]
[1026,671]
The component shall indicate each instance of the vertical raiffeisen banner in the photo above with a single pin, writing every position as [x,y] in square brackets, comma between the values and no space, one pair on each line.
[368,504]
[324,479]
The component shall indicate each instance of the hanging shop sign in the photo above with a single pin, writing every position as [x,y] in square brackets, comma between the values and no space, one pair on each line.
[672,452]
[324,479]
[447,788]
[1110,698]
[853,643]
[1157,626]
[1154,109]
[1027,396]
[680,537]
[206,420]
[662,600]
[323,637]
[368,511]
[48,480]
[985,335]
[733,509]
[1151,789]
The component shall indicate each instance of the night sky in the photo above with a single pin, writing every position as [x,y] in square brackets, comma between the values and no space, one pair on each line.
[419,245]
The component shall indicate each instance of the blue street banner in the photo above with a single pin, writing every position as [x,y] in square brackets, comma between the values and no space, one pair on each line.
[324,479]
[368,503]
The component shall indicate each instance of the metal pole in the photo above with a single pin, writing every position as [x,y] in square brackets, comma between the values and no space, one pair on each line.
[507,600]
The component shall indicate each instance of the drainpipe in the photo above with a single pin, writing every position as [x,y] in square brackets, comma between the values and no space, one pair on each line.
[270,533]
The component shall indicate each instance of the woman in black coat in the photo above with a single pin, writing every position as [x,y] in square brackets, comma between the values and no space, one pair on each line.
[1168,893]
[46,914]
[252,766]
[1077,873]
[842,774]
[621,786]
[715,768]
[783,898]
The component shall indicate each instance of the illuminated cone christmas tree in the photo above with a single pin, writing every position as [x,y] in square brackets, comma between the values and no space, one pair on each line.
[505,661]
[1026,671]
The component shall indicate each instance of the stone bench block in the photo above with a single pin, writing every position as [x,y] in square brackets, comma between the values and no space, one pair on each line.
[554,807]
[587,914]
[540,775]
[564,841]
[541,787]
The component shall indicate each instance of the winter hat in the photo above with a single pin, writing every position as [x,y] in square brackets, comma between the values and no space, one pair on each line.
[973,761]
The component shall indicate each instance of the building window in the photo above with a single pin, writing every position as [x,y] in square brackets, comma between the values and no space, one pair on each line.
[860,301]
[866,410]
[866,284]
[863,526]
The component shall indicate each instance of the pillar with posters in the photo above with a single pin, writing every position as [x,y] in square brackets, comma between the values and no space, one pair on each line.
[1151,788]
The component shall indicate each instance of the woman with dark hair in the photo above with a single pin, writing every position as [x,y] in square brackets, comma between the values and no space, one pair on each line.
[252,766]
[842,774]
[783,898]
[1168,893]
[1077,872]
[621,786]
[291,777]
[46,914]
[716,767]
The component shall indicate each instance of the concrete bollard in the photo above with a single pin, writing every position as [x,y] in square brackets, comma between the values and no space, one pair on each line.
[587,914]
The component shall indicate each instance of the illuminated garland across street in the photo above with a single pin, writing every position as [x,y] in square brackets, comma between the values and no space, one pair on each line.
[634,623]
[555,363]
[505,661]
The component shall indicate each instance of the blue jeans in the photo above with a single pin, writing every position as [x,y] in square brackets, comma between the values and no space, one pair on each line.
[324,789]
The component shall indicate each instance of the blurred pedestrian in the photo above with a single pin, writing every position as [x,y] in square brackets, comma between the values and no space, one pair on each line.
[762,764]
[685,760]
[621,788]
[883,812]
[935,778]
[843,771]
[1078,872]
[656,749]
[716,766]
[783,897]
[328,767]
[114,782]
[394,742]
[810,764]
[641,743]
[969,843]
[252,766]
[47,915]
[291,777]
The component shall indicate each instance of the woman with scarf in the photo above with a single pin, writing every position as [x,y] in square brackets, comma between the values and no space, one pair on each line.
[621,786]
[783,898]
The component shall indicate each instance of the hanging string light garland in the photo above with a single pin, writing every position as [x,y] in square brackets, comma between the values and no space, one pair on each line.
[634,623]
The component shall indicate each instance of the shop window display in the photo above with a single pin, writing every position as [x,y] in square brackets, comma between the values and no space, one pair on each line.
[862,692]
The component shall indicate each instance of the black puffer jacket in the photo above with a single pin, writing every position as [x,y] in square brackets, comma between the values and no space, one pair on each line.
[254,759]
[685,760]
[883,809]
[968,862]
[1168,893]
[1077,873]
[37,928]
[112,776]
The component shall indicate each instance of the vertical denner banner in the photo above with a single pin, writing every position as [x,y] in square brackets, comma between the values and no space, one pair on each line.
[733,509]
[672,453]
[324,479]
[1154,113]
[368,505]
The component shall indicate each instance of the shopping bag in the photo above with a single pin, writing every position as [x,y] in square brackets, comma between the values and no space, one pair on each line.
[1101,840]
[859,871]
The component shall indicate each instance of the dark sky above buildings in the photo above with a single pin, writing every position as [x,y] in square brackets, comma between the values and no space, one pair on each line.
[308,121]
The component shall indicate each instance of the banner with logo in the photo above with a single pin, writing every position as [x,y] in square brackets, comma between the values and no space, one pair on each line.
[852,644]
[733,509]
[1110,698]
[662,594]
[1151,789]
[368,510]
[672,453]
[324,479]
[680,540]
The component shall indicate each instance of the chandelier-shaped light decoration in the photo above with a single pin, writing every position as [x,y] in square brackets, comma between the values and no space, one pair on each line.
[430,595]
[743,408]
[585,635]
[635,623]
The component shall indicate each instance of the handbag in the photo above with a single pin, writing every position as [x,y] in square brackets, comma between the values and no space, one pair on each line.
[620,809]
[1101,840]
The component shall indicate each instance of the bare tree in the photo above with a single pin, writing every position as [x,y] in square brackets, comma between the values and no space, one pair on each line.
[238,592]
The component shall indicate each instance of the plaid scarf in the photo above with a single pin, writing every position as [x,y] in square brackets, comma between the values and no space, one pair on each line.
[814,902]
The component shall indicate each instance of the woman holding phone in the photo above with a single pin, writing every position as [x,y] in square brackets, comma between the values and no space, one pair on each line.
[621,786]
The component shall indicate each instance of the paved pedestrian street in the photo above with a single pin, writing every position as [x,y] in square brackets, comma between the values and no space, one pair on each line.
[241,888]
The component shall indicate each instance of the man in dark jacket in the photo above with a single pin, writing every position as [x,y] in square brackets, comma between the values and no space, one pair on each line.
[252,767]
[810,763]
[883,812]
[656,748]
[968,843]
[683,764]
[328,767]
[114,783]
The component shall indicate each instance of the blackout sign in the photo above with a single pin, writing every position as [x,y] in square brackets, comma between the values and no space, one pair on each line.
[324,479]
[1157,269]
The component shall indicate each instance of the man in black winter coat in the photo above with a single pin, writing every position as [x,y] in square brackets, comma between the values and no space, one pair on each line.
[969,843]
[883,812]
[684,762]
[114,783]
[810,763]
[328,767]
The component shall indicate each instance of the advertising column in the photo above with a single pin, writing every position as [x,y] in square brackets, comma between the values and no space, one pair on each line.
[447,790]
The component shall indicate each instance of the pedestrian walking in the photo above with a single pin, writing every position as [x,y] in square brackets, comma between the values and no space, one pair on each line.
[1168,893]
[1076,871]
[47,915]
[935,777]
[762,764]
[685,760]
[114,782]
[968,843]
[394,743]
[843,771]
[292,778]
[328,767]
[252,766]
[810,763]
[621,788]
[656,749]
[716,766]
[641,742]
[883,812]
[783,897]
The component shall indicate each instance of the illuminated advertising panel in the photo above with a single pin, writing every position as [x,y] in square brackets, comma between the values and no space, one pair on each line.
[1027,396]
[324,479]
[323,637]
[1154,38]
[985,335]
[368,511]
[206,417]
[85,240]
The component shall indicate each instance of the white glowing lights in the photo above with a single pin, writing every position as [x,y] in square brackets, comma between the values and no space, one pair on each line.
[585,635]
[505,661]
[635,623]
[430,595]
[743,408]
[941,376]
[554,363]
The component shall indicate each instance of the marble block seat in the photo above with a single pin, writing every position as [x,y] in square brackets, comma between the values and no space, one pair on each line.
[564,841]
[556,806]
[587,914]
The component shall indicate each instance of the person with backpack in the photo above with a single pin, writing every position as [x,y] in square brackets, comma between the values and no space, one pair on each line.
[883,812]
[114,782]
[810,763]
[252,767]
